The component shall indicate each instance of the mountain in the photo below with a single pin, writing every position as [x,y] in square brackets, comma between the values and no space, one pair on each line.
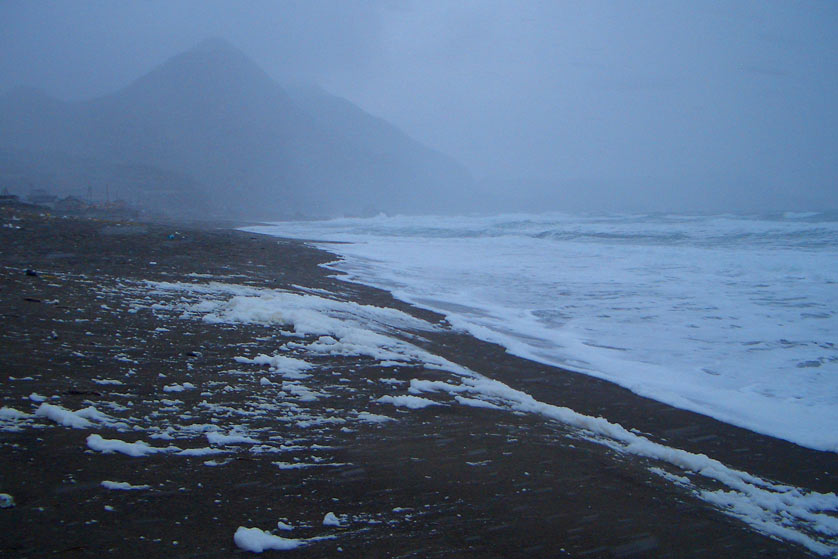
[212,121]
[419,178]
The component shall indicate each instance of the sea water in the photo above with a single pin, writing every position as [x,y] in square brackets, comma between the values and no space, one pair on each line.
[735,317]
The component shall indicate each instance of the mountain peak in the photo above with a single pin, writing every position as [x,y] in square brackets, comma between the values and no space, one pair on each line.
[213,69]
[216,49]
[213,117]
[214,45]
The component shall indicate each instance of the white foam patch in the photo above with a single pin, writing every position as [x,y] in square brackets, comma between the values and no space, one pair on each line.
[306,313]
[257,541]
[123,486]
[344,328]
[63,416]
[475,403]
[412,402]
[178,387]
[288,367]
[12,420]
[135,449]
[11,414]
[300,391]
[373,417]
[331,520]
[93,414]
[221,439]
[200,451]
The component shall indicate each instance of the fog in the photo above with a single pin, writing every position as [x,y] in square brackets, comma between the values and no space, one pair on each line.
[651,106]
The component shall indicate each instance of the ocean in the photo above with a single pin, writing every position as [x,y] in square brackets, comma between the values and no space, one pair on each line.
[731,316]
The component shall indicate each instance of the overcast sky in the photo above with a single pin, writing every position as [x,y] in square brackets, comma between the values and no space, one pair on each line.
[734,95]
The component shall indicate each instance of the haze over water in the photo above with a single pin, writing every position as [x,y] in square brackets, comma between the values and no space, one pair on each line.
[730,316]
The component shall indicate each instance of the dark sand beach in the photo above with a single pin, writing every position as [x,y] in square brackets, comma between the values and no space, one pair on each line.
[442,481]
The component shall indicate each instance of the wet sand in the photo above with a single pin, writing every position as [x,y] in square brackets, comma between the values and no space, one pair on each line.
[443,481]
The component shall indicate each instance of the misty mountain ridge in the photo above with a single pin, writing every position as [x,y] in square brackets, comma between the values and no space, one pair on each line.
[211,123]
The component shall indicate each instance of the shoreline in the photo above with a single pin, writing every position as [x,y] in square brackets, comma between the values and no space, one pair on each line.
[495,483]
[753,351]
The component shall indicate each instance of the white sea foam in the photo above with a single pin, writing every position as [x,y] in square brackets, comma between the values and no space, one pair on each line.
[787,512]
[412,402]
[257,541]
[123,486]
[220,439]
[288,367]
[8,413]
[135,449]
[733,317]
[63,416]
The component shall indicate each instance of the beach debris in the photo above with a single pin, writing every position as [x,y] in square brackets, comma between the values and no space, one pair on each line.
[6,501]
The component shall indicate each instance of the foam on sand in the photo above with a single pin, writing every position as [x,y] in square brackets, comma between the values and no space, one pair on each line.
[782,511]
[135,449]
[123,486]
[257,541]
[412,402]
[63,416]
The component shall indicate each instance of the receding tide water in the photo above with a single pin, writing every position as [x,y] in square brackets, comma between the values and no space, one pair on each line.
[732,316]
